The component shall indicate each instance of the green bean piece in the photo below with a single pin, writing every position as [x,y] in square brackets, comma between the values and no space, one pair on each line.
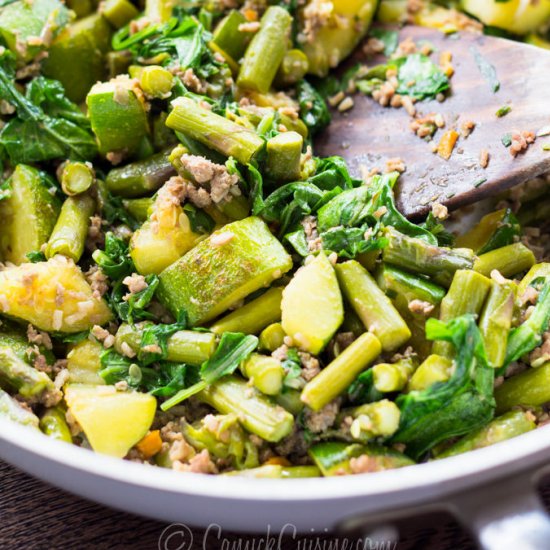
[17,375]
[378,419]
[13,410]
[290,400]
[265,372]
[418,256]
[184,346]
[272,337]
[214,131]
[494,230]
[504,427]
[372,306]
[253,316]
[334,458]
[390,377]
[537,271]
[156,81]
[54,425]
[508,260]
[118,12]
[69,234]
[435,368]
[530,388]
[284,153]
[140,209]
[276,471]
[466,294]
[76,178]
[266,51]
[140,178]
[496,320]
[292,69]
[229,38]
[341,372]
[257,413]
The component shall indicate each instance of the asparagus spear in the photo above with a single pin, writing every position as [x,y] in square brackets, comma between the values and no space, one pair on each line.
[292,69]
[504,427]
[253,316]
[69,234]
[76,178]
[290,400]
[184,346]
[266,51]
[537,271]
[140,178]
[530,388]
[371,304]
[272,337]
[390,377]
[418,256]
[466,294]
[508,260]
[214,131]
[258,415]
[156,81]
[435,368]
[378,419]
[341,372]
[266,373]
[118,12]
[13,410]
[19,376]
[140,209]
[229,38]
[496,320]
[53,424]
[284,152]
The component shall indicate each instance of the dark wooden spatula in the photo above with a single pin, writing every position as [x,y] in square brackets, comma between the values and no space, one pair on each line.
[370,134]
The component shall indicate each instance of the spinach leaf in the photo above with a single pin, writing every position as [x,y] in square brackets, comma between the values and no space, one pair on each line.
[46,125]
[36,256]
[388,37]
[157,335]
[419,77]
[313,108]
[455,407]
[200,221]
[234,347]
[293,369]
[436,228]
[347,242]
[362,389]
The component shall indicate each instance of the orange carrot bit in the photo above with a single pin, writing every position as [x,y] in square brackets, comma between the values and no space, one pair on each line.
[251,15]
[151,444]
[277,461]
[447,144]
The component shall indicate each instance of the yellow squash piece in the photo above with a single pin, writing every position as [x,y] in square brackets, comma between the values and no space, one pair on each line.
[113,421]
[312,308]
[343,23]
[52,295]
[84,363]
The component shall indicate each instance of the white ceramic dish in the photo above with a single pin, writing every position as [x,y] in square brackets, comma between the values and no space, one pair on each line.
[490,489]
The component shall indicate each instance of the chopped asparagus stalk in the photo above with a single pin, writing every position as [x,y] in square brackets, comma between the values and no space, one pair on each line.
[341,372]
[537,271]
[21,377]
[336,458]
[233,262]
[229,38]
[530,388]
[119,12]
[293,68]
[466,294]
[290,400]
[504,427]
[140,178]
[390,377]
[508,260]
[184,346]
[418,256]
[76,178]
[284,153]
[156,81]
[379,419]
[258,415]
[214,131]
[13,410]
[372,306]
[435,368]
[496,320]
[54,425]
[253,316]
[272,337]
[140,209]
[69,234]
[266,373]
[266,51]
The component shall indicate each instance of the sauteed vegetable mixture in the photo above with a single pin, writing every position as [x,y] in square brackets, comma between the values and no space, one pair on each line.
[185,284]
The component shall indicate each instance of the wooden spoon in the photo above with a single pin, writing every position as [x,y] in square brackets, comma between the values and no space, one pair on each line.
[369,134]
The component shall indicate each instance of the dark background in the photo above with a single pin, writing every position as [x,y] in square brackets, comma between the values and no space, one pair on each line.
[34,515]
